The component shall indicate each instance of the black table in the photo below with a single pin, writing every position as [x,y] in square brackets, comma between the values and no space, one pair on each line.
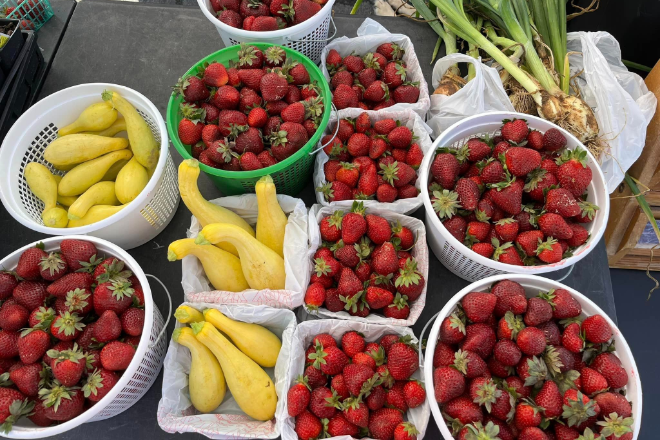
[146,47]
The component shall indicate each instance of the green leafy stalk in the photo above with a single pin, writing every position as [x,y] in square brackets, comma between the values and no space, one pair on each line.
[436,49]
[356,6]
[643,204]
[432,19]
[474,50]
[634,65]
[490,10]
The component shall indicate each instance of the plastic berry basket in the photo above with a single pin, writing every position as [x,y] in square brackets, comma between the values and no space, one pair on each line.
[32,13]
[292,174]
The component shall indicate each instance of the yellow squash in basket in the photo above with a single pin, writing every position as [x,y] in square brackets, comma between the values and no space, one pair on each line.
[222,268]
[83,176]
[204,211]
[131,180]
[113,171]
[64,200]
[262,267]
[186,314]
[206,381]
[117,127]
[144,145]
[55,217]
[251,387]
[96,117]
[102,193]
[257,342]
[79,148]
[271,220]
[41,183]
[95,214]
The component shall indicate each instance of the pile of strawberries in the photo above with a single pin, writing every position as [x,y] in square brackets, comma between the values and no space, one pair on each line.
[69,325]
[371,161]
[254,114]
[374,81]
[265,15]
[518,198]
[361,389]
[365,265]
[27,12]
[509,367]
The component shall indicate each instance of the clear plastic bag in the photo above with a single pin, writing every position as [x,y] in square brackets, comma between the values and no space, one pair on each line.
[176,413]
[621,101]
[483,94]
[303,336]
[411,120]
[197,287]
[371,34]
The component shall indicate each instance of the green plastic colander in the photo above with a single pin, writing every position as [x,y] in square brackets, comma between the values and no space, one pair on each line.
[292,174]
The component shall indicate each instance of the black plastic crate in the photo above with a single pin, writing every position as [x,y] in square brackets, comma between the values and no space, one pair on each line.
[10,51]
[19,91]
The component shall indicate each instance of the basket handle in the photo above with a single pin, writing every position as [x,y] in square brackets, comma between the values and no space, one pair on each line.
[313,152]
[334,26]
[169,314]
[421,339]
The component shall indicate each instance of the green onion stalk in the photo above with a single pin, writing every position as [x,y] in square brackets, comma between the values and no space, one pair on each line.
[552,103]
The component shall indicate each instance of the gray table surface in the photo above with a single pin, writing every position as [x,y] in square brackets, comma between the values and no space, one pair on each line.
[147,47]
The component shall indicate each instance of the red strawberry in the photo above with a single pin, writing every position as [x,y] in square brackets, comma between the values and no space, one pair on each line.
[563,304]
[399,309]
[354,225]
[377,91]
[13,406]
[115,296]
[51,267]
[230,18]
[510,297]
[456,226]
[32,345]
[414,393]
[8,282]
[596,329]
[99,383]
[378,298]
[353,63]
[445,169]
[592,381]
[330,360]
[117,356]
[69,282]
[356,412]
[480,338]
[400,137]
[507,352]
[508,196]
[192,89]
[344,97]
[26,378]
[341,77]
[378,229]
[515,131]
[383,423]
[507,254]
[338,425]
[352,343]
[132,321]
[315,296]
[580,235]
[538,312]
[529,241]
[535,140]
[610,367]
[611,402]
[527,415]
[550,399]
[355,376]
[452,329]
[391,51]
[78,253]
[394,74]
[550,251]
[573,173]
[215,75]
[571,338]
[483,249]
[407,92]
[521,161]
[553,140]
[384,260]
[478,306]
[67,366]
[468,194]
[403,361]
[322,403]
[307,426]
[464,410]
[30,294]
[333,58]
[561,201]
[13,317]
[554,225]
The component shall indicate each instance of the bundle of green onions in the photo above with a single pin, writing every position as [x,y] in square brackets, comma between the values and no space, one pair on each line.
[527,38]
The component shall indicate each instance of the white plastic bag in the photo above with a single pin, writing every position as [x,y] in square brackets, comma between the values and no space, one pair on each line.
[371,35]
[407,117]
[483,94]
[176,413]
[302,338]
[420,252]
[197,287]
[621,101]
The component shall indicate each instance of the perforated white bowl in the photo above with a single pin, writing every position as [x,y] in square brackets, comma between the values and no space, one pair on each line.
[308,37]
[140,221]
[140,374]
[533,285]
[460,259]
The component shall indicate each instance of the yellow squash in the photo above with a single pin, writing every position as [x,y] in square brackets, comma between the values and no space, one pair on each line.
[204,211]
[142,140]
[79,148]
[262,267]
[102,193]
[64,200]
[96,117]
[271,220]
[257,342]
[79,179]
[131,180]
[206,382]
[41,183]
[186,314]
[113,171]
[95,214]
[249,384]
[117,127]
[55,217]
[222,268]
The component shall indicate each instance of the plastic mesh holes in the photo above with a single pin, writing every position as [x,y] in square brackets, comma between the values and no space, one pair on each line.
[158,210]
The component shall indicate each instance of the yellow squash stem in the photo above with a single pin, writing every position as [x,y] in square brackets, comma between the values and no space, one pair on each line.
[187,315]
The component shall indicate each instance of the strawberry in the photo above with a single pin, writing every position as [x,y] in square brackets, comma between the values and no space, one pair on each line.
[115,296]
[403,360]
[230,18]
[228,117]
[477,149]
[378,229]
[535,140]
[611,402]
[52,266]
[521,161]
[573,173]
[338,425]
[338,385]
[549,251]
[111,268]
[356,376]
[383,423]
[39,414]
[452,329]
[67,366]
[26,378]
[215,75]
[78,254]
[347,256]
[307,426]
[515,131]
[445,169]
[353,63]
[510,297]
[13,317]
[391,51]
[330,169]
[62,403]
[400,137]
[352,343]
[315,295]
[192,89]
[356,412]
[409,281]
[99,383]
[554,225]
[394,74]
[322,402]
[117,356]
[377,91]
[377,148]
[492,172]
[507,195]
[330,227]
[468,193]
[290,138]
[30,294]
[8,281]
[341,77]
[378,298]
[480,339]
[13,406]
[483,249]
[407,92]
[529,241]
[553,140]
[132,321]
[354,225]
[478,306]
[32,345]
[527,415]
[610,367]
[464,410]
[507,352]
[592,381]
[384,260]
[8,344]
[478,231]
[330,360]
[532,433]
[348,174]
[333,58]
[507,254]
[596,329]
[571,338]
[538,312]
[561,201]
[368,184]
[344,97]
[538,182]
[399,309]
[549,399]
[456,226]
[376,398]
[470,364]
[414,393]
[578,408]
[563,304]
[580,235]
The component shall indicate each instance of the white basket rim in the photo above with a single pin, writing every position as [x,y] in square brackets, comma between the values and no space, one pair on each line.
[140,351]
[437,224]
[15,136]
[621,346]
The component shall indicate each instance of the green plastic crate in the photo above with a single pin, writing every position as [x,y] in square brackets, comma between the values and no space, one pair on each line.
[290,175]
[32,13]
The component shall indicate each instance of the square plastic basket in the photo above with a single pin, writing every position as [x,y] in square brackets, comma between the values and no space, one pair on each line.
[32,13]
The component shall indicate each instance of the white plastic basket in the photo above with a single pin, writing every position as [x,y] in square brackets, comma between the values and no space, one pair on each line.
[532,285]
[136,224]
[461,260]
[308,37]
[140,374]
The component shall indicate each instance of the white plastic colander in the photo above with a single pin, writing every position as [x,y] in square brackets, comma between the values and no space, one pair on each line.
[140,374]
[308,37]
[533,285]
[140,221]
[460,259]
